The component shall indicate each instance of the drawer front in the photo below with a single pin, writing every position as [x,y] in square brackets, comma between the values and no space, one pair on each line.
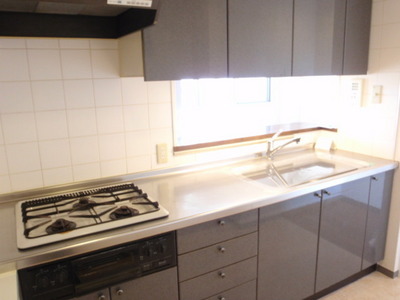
[245,291]
[209,233]
[217,281]
[202,261]
[103,295]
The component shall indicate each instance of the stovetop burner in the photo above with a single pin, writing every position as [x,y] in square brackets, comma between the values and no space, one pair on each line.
[123,212]
[60,225]
[83,203]
[60,217]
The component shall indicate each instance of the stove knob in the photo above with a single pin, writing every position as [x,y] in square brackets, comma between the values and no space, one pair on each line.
[120,292]
[62,276]
[43,282]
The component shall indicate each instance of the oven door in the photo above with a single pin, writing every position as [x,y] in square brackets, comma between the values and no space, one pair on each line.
[84,274]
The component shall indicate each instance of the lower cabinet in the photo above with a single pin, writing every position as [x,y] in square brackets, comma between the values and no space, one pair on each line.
[312,242]
[142,288]
[288,241]
[378,216]
[218,259]
[342,228]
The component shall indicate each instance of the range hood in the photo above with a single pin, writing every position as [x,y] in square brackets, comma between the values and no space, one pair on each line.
[75,18]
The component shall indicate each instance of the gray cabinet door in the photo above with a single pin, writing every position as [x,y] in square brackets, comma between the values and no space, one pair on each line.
[378,215]
[342,230]
[160,285]
[260,38]
[318,37]
[189,40]
[288,237]
[356,45]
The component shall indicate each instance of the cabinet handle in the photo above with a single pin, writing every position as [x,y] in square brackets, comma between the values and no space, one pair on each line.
[326,192]
[120,292]
[317,195]
[222,274]
[374,178]
[221,249]
[221,222]
[101,297]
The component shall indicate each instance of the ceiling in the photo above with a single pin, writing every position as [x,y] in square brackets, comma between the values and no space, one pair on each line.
[65,7]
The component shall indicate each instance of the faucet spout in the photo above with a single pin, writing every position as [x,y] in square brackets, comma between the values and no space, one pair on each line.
[271,150]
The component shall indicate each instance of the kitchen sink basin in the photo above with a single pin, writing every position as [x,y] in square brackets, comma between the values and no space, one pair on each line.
[300,169]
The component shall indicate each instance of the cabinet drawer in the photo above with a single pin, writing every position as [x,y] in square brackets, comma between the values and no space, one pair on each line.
[221,280]
[209,233]
[245,291]
[195,263]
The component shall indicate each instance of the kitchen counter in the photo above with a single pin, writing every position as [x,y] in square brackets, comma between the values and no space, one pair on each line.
[192,195]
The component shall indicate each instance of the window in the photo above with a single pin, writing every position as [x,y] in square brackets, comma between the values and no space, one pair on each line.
[211,110]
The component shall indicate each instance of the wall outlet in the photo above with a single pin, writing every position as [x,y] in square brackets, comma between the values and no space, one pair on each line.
[162,153]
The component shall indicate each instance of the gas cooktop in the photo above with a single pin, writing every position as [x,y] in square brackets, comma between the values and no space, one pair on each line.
[51,219]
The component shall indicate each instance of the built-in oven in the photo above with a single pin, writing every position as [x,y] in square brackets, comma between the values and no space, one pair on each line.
[81,275]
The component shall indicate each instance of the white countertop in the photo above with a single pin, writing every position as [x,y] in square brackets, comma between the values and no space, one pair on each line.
[191,196]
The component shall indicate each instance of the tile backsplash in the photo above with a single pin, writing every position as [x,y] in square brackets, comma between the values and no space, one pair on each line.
[67,116]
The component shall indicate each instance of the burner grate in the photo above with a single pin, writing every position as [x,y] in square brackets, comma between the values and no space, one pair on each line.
[83,210]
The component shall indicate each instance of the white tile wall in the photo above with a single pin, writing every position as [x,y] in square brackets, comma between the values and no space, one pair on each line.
[67,116]
[79,93]
[44,64]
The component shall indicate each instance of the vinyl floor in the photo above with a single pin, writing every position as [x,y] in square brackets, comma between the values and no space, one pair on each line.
[375,286]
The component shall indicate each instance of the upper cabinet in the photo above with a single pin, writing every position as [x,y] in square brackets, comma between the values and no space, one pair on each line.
[318,38]
[260,38]
[188,41]
[331,37]
[254,38]
[356,42]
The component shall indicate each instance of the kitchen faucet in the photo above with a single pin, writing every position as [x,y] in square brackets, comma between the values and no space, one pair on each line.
[270,145]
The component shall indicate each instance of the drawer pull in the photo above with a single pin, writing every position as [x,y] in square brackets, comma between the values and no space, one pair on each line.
[221,222]
[221,298]
[120,292]
[221,249]
[326,193]
[222,274]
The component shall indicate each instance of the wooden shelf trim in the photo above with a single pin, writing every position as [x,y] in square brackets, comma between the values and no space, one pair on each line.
[288,129]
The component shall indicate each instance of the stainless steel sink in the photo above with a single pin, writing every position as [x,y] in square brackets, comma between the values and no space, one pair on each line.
[299,169]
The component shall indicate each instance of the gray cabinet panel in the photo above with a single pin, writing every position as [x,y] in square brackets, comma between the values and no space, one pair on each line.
[188,41]
[342,228]
[143,288]
[95,295]
[358,26]
[224,279]
[245,291]
[260,38]
[216,256]
[318,38]
[378,216]
[212,232]
[288,237]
